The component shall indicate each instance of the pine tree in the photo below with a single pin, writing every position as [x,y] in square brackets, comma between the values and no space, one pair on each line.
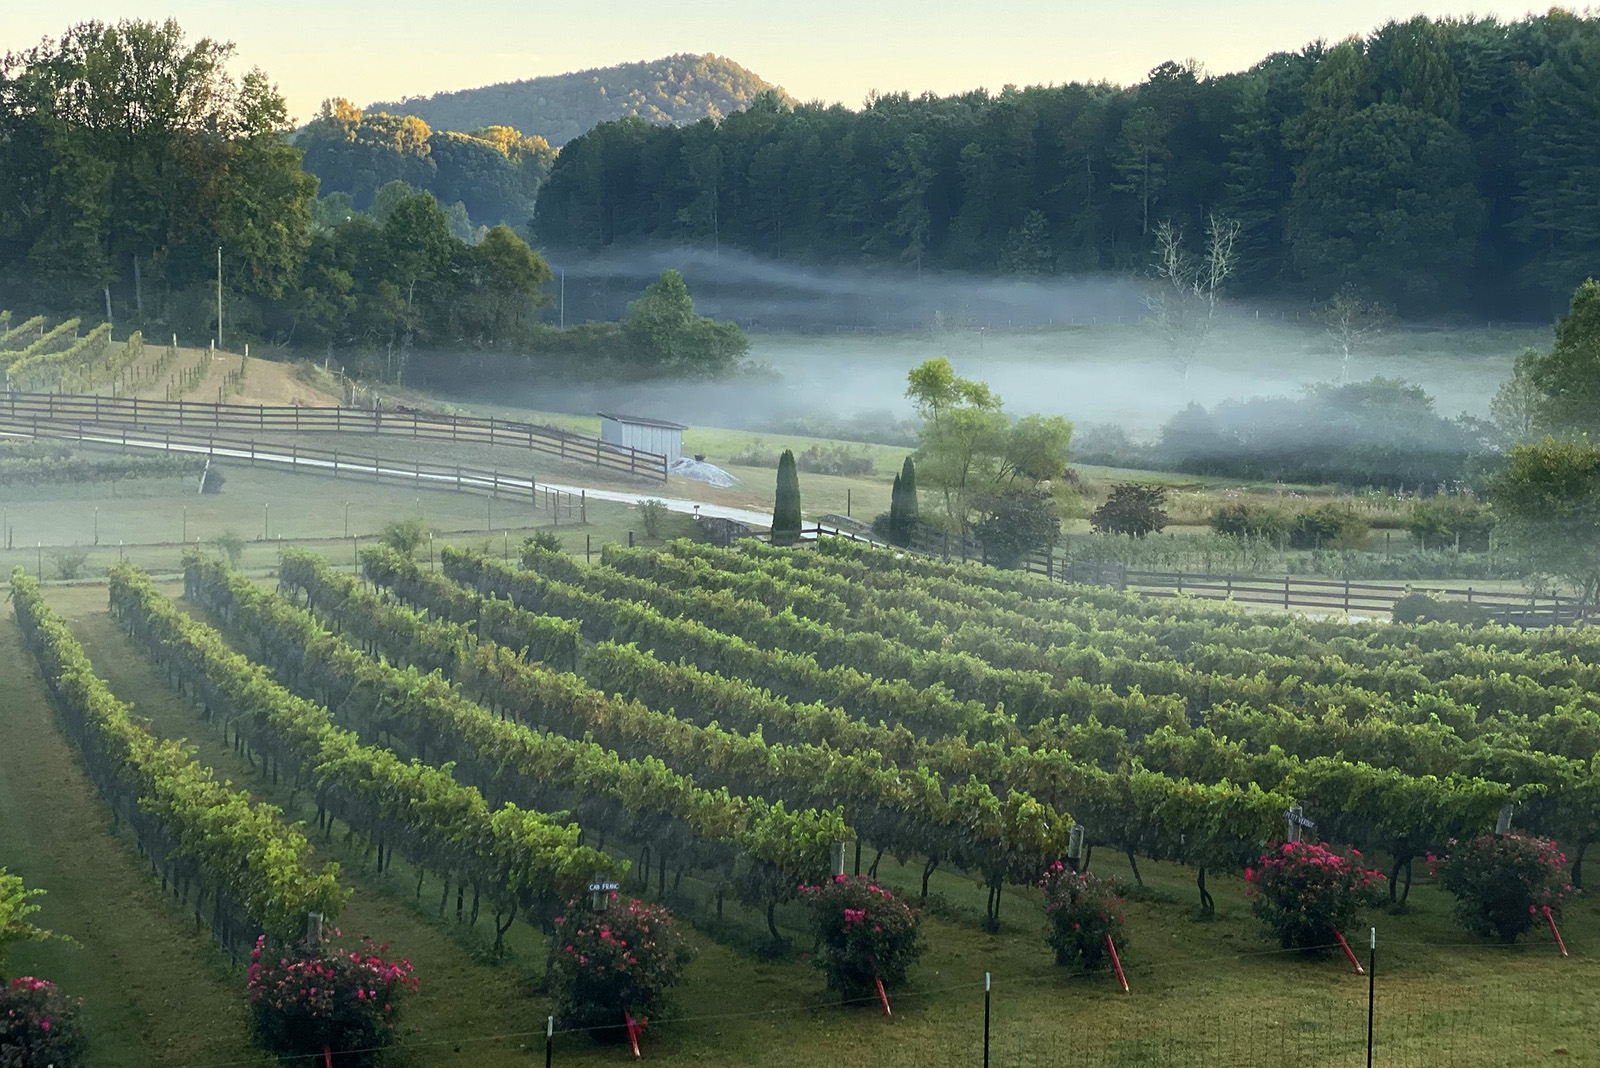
[907,481]
[786,508]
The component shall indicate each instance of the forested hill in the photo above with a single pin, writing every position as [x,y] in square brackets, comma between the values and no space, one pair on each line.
[672,90]
[1435,165]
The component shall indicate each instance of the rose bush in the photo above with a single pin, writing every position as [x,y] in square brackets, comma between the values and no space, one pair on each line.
[605,963]
[1304,893]
[1503,883]
[346,1001]
[863,931]
[39,1026]
[1083,910]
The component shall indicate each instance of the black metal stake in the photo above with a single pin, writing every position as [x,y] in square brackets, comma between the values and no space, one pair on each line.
[549,1039]
[986,1019]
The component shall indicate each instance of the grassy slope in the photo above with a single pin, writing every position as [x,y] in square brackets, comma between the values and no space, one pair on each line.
[1204,993]
[142,969]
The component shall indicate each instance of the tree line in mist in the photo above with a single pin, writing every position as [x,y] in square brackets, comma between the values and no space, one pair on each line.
[1436,164]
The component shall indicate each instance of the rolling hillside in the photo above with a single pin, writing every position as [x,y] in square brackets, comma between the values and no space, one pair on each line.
[675,89]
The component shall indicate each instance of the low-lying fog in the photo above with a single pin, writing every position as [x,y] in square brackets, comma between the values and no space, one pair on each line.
[840,341]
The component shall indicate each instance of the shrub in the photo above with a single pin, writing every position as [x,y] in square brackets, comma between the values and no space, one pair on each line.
[863,931]
[1083,910]
[1420,608]
[540,541]
[1304,893]
[69,563]
[604,963]
[1134,508]
[1503,883]
[347,1001]
[404,536]
[231,545]
[1331,526]
[1244,520]
[652,512]
[1437,523]
[1016,524]
[39,1026]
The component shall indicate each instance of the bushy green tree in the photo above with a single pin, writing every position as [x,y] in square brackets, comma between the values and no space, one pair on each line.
[786,506]
[1134,508]
[664,333]
[970,450]
[1548,500]
[1567,379]
[1017,523]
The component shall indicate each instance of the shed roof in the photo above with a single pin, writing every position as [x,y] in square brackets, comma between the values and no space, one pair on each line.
[635,420]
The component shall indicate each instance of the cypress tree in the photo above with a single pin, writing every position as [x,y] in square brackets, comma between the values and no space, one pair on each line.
[908,503]
[786,508]
[896,511]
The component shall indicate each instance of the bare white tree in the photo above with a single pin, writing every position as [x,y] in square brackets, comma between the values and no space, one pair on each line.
[1352,324]
[1183,297]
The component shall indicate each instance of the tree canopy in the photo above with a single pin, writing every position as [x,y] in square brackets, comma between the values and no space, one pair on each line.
[1431,165]
[493,172]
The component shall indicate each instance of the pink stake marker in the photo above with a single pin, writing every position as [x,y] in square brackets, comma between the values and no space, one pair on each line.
[1550,918]
[1346,947]
[1116,962]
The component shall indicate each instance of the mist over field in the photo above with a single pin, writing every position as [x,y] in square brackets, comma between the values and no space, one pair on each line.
[837,341]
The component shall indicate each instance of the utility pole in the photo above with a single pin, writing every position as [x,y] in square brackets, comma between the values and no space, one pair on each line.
[219,296]
[563,303]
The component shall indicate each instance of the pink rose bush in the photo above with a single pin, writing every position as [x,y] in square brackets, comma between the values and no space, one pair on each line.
[39,1026]
[1083,910]
[344,1000]
[1304,893]
[863,931]
[603,964]
[1503,883]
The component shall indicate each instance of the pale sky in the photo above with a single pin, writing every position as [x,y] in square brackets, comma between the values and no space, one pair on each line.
[834,50]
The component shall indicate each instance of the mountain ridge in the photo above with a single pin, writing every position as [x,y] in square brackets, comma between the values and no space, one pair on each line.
[672,90]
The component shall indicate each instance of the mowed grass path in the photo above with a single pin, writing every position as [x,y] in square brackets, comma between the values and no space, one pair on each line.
[156,991]
[1204,993]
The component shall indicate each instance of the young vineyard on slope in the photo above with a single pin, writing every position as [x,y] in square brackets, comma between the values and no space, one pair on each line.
[909,812]
[1159,786]
[201,835]
[518,859]
[763,850]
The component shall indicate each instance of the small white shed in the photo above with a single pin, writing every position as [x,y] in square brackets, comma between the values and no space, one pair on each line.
[648,435]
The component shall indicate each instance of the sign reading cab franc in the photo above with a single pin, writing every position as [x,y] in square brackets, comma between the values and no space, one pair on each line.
[604,886]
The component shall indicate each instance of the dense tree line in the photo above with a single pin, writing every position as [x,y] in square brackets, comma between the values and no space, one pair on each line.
[494,172]
[1432,164]
[559,107]
[129,157]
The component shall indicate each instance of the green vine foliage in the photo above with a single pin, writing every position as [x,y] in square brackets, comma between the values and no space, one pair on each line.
[257,870]
[518,859]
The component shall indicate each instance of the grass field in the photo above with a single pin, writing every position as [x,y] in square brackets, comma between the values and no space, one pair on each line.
[1204,993]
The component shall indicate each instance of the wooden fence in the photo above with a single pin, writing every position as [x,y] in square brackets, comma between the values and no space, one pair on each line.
[1287,592]
[562,504]
[61,408]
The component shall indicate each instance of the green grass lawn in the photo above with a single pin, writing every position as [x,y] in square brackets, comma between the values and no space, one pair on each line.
[1204,993]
